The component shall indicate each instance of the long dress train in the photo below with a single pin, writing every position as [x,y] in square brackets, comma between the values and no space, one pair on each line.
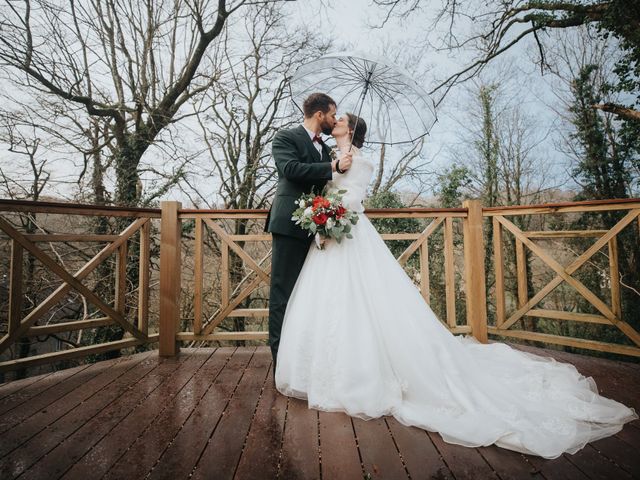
[359,338]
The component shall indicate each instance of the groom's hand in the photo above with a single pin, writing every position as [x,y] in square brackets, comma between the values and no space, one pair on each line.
[344,162]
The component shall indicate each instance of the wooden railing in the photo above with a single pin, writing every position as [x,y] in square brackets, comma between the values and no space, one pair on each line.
[219,223]
[609,314]
[135,225]
[214,271]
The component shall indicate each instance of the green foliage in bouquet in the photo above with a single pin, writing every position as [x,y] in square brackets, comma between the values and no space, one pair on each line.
[325,216]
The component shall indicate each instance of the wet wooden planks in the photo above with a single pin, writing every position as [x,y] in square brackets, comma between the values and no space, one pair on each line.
[261,451]
[215,413]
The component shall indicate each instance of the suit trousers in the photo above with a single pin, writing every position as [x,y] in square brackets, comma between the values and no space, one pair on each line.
[287,257]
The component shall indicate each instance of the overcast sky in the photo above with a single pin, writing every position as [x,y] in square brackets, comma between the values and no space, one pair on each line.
[405,42]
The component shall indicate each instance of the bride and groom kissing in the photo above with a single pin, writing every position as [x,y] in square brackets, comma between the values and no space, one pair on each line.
[303,162]
[350,332]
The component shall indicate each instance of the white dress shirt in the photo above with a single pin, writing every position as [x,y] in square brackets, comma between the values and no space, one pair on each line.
[315,144]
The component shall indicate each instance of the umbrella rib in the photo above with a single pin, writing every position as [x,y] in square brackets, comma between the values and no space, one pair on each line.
[389,85]
[370,70]
[380,73]
[319,70]
[412,104]
[330,70]
[312,87]
[381,122]
[350,72]
[404,120]
[308,88]
[385,89]
[357,69]
[390,77]
[388,112]
[345,75]
[349,92]
[398,79]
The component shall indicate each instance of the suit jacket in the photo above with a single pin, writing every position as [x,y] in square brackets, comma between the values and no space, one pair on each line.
[300,168]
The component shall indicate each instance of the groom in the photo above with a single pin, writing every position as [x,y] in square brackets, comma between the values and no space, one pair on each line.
[303,162]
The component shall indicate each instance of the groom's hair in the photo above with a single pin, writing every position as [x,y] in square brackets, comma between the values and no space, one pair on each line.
[317,102]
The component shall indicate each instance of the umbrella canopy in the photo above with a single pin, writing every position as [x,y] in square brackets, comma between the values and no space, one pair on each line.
[395,107]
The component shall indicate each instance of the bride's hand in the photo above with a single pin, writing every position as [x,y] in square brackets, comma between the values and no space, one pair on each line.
[320,241]
[345,160]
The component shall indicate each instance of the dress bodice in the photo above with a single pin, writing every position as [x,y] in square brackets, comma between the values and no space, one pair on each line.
[355,181]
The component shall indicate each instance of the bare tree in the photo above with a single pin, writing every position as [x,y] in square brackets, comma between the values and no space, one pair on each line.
[240,114]
[499,144]
[24,183]
[492,28]
[408,165]
[129,66]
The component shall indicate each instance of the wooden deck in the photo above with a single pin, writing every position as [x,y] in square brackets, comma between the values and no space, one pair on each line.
[214,414]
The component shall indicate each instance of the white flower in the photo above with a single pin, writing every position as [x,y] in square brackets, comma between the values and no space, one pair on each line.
[308,211]
[301,203]
[330,223]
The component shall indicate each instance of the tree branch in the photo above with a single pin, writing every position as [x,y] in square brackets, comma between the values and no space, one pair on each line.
[620,110]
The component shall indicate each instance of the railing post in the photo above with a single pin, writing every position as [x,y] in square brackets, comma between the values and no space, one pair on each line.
[15,287]
[170,268]
[474,273]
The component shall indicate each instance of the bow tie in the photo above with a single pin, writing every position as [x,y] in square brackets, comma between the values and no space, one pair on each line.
[317,138]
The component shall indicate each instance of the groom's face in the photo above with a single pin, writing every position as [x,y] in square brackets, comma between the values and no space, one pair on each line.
[328,120]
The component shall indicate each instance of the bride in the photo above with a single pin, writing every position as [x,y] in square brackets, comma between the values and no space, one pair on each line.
[359,338]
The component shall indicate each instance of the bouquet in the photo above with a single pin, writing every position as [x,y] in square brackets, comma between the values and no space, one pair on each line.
[324,216]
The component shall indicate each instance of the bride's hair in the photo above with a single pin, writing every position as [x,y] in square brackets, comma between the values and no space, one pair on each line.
[359,125]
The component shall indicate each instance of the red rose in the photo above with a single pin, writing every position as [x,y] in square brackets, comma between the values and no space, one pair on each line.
[341,210]
[318,201]
[319,219]
[326,203]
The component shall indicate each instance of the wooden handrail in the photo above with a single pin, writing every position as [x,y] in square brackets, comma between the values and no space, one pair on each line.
[77,209]
[7,205]
[192,213]
[240,211]
[563,207]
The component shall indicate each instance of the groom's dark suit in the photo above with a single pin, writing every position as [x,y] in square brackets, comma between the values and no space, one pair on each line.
[300,168]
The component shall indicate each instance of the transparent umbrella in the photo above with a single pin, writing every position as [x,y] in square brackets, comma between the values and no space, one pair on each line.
[395,107]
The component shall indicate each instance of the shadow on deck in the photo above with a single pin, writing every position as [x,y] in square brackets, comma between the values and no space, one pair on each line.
[214,413]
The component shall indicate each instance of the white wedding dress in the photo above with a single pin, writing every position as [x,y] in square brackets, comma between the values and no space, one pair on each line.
[359,338]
